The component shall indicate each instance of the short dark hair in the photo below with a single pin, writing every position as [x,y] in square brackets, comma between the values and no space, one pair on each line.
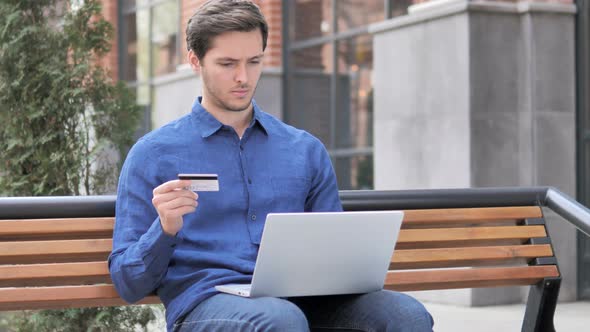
[215,17]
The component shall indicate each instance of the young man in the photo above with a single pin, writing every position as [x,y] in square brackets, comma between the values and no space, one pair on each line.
[180,244]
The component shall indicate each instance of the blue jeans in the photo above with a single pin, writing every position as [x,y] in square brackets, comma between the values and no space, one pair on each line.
[378,311]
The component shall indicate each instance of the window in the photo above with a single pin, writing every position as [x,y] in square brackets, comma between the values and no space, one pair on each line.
[164,40]
[328,77]
[149,46]
[352,14]
[311,18]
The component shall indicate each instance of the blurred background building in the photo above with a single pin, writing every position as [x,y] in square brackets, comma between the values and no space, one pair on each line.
[406,94]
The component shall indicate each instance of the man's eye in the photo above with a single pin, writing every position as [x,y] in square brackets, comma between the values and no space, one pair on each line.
[226,64]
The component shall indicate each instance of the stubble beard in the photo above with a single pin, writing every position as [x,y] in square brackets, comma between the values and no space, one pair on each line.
[230,108]
[214,95]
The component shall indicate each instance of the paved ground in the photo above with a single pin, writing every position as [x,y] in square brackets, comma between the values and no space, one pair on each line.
[574,316]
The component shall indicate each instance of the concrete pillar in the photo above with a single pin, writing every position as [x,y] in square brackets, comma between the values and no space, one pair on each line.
[474,94]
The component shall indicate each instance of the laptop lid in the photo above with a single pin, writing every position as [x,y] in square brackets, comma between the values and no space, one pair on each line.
[326,253]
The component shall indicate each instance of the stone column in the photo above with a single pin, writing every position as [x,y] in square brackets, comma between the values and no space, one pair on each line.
[479,94]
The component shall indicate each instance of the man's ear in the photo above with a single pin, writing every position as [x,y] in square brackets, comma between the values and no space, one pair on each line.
[194,62]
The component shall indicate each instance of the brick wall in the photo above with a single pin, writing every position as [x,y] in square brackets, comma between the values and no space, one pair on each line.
[110,62]
[272,11]
[187,9]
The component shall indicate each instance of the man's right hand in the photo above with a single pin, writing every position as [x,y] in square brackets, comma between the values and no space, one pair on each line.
[172,201]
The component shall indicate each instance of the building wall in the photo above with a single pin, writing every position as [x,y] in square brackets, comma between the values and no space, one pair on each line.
[110,62]
[421,138]
[496,108]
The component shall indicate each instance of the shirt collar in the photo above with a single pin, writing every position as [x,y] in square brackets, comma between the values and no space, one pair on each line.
[209,125]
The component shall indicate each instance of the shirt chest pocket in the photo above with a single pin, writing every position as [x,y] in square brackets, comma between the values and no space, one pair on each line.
[290,193]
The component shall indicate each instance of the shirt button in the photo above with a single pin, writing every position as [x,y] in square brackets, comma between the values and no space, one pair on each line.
[249,181]
[253,217]
[241,147]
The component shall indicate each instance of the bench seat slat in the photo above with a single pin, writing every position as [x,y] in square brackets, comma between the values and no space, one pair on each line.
[468,256]
[54,274]
[468,277]
[471,215]
[63,297]
[462,244]
[38,274]
[26,252]
[421,236]
[105,295]
[64,227]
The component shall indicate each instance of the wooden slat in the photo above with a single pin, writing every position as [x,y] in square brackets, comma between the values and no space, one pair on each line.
[26,252]
[444,216]
[63,297]
[469,256]
[105,295]
[61,274]
[48,228]
[468,277]
[419,237]
[73,252]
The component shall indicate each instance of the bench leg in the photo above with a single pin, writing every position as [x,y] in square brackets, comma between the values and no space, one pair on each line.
[540,307]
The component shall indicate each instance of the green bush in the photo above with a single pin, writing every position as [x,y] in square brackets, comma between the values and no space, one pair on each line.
[64,126]
[79,320]
[61,114]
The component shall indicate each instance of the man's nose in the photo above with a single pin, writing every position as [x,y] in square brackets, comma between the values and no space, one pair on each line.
[241,74]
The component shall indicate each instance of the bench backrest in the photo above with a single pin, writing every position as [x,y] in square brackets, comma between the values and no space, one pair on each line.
[61,263]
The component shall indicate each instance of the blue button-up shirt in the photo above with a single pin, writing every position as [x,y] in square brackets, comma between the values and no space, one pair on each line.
[272,168]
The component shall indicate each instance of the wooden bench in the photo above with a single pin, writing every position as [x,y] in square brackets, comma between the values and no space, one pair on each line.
[59,260]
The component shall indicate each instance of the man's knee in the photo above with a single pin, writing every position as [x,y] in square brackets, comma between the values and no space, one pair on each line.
[225,312]
[405,313]
[279,315]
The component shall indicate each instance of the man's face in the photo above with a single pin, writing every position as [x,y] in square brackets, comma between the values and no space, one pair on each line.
[230,70]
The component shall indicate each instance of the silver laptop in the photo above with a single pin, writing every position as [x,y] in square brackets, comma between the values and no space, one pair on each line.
[325,253]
